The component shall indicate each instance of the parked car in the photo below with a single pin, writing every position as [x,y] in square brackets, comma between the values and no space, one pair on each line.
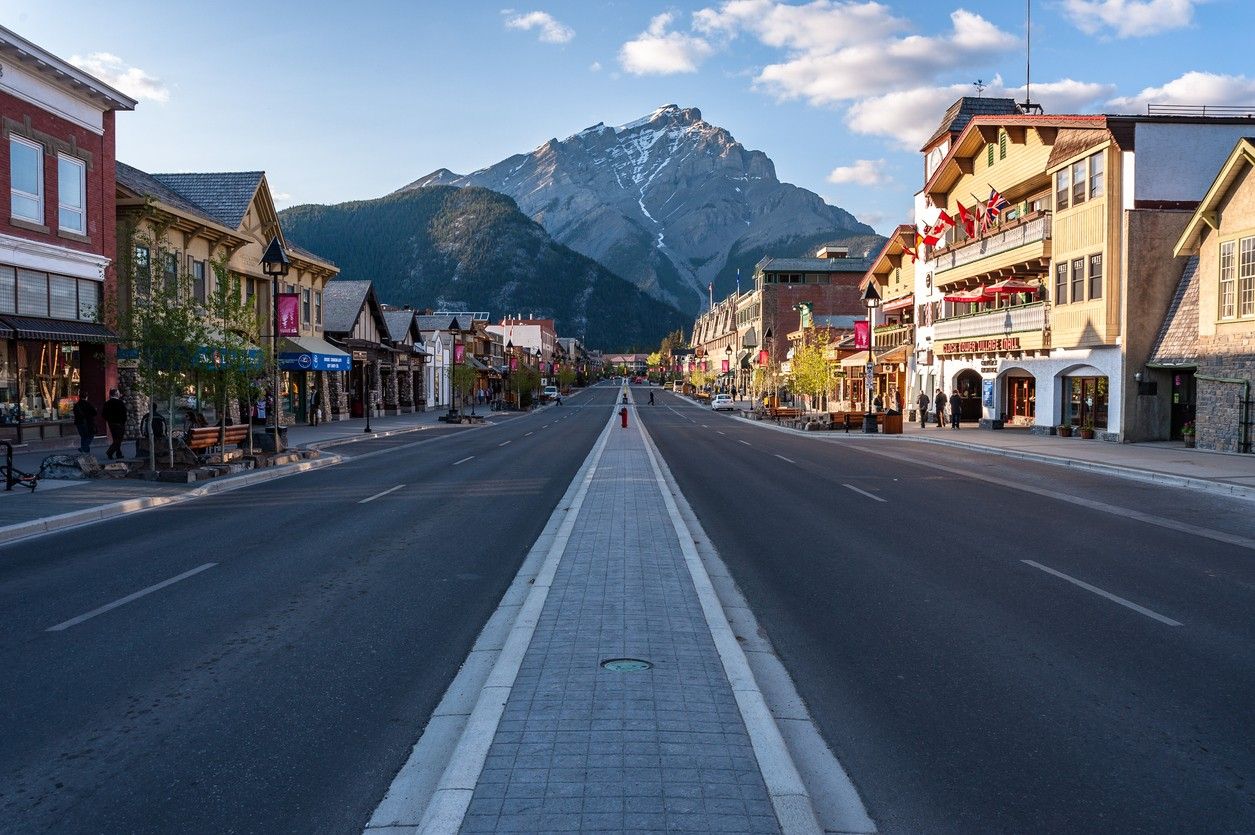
[722,402]
[549,393]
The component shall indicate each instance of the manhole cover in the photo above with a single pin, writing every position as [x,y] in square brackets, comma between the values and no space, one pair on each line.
[626,665]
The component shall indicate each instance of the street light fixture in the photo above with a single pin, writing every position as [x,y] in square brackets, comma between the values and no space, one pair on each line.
[275,263]
[727,352]
[871,301]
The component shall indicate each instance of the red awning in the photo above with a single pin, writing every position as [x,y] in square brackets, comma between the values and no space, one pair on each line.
[1012,286]
[904,303]
[973,296]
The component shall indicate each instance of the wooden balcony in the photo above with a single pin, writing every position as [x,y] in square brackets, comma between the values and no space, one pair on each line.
[892,337]
[1022,242]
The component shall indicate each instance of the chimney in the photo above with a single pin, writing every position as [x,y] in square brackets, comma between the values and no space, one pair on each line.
[830,251]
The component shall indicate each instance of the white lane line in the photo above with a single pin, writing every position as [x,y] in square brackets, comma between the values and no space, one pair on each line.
[704,426]
[1101,593]
[525,434]
[782,458]
[546,426]
[462,460]
[747,443]
[720,431]
[864,492]
[503,443]
[381,495]
[122,601]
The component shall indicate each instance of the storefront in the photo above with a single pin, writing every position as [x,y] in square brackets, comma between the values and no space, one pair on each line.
[1085,402]
[304,363]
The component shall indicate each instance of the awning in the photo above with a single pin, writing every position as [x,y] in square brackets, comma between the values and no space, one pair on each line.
[1012,286]
[310,353]
[60,330]
[904,303]
[973,296]
[475,363]
[857,360]
[895,355]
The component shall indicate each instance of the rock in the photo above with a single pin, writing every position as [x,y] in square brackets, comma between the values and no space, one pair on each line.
[75,466]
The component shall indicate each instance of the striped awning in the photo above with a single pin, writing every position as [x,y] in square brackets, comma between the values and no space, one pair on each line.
[57,330]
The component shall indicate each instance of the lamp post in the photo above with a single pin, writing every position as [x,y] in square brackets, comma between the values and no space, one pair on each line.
[274,263]
[771,368]
[727,376]
[871,301]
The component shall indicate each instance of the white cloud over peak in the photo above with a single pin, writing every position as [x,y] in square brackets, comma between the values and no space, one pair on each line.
[113,71]
[1193,88]
[660,50]
[818,26]
[1130,18]
[550,29]
[863,172]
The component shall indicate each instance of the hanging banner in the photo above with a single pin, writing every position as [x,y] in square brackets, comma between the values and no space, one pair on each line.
[725,366]
[459,351]
[861,341]
[289,314]
[514,363]
[762,358]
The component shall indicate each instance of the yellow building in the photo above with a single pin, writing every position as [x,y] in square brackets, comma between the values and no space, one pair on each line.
[893,337]
[1052,305]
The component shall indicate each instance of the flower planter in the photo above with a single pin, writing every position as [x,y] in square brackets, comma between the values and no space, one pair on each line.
[1087,434]
[1189,441]
[1065,431]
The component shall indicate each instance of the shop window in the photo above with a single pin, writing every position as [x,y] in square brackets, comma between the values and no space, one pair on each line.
[305,305]
[170,273]
[198,280]
[1086,402]
[26,180]
[1078,183]
[1062,189]
[71,194]
[32,293]
[1061,283]
[8,290]
[143,270]
[1078,280]
[1095,276]
[1096,165]
[88,300]
[62,297]
[1246,277]
[1228,281]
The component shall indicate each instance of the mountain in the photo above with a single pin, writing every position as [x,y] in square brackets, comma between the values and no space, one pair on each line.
[670,202]
[472,249]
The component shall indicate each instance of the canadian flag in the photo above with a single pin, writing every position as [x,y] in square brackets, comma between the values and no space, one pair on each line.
[968,220]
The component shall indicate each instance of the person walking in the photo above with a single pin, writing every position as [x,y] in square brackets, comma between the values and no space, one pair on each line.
[85,422]
[956,409]
[940,403]
[114,413]
[923,403]
[315,410]
[651,398]
[878,404]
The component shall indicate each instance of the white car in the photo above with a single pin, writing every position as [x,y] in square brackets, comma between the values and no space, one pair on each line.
[722,402]
[549,393]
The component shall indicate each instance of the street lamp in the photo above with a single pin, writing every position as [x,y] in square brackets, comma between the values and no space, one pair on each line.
[274,263]
[871,301]
[727,353]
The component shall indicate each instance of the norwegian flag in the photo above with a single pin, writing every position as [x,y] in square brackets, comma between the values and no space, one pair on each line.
[995,205]
[968,219]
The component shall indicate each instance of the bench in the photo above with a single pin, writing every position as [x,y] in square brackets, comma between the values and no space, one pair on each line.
[207,437]
[782,413]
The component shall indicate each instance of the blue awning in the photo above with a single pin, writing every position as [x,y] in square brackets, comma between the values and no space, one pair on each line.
[309,353]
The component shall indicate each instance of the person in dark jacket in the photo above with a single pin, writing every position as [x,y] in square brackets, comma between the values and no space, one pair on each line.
[923,403]
[114,413]
[878,404]
[940,403]
[956,408]
[85,422]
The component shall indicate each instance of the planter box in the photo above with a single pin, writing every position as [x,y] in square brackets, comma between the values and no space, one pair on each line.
[1064,432]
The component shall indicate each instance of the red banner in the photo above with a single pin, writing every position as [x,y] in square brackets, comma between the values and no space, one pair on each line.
[514,363]
[459,351]
[289,314]
[762,358]
[724,363]
[861,340]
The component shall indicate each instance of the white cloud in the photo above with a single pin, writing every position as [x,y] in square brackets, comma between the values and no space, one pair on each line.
[113,71]
[661,51]
[819,26]
[1130,18]
[863,172]
[595,66]
[1193,88]
[551,30]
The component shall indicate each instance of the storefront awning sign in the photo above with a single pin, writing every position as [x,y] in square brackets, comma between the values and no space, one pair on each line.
[309,353]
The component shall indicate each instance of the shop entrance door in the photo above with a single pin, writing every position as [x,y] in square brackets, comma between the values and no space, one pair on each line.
[1021,400]
[968,382]
[1184,394]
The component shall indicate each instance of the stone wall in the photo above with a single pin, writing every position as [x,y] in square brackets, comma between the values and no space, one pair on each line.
[335,392]
[1220,408]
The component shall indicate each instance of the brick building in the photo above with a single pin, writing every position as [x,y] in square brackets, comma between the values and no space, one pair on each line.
[57,241]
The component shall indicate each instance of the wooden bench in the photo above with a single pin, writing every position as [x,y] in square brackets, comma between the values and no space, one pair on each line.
[208,437]
[781,413]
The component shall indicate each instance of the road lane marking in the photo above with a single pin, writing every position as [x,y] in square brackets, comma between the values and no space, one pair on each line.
[865,493]
[525,434]
[381,495]
[503,443]
[462,460]
[782,458]
[704,426]
[1101,593]
[747,443]
[122,601]
[720,431]
[546,426]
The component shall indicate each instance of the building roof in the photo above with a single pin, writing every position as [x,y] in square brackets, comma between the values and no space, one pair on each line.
[225,195]
[1240,160]
[398,322]
[961,112]
[438,322]
[341,303]
[35,59]
[141,182]
[814,265]
[1177,343]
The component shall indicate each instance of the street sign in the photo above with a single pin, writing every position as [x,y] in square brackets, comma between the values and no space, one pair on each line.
[868,379]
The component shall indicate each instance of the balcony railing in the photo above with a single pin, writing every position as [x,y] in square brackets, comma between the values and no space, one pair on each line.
[893,337]
[1024,317]
[1033,230]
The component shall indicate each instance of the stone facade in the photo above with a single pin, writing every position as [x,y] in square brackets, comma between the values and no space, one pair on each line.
[1224,404]
[388,387]
[336,395]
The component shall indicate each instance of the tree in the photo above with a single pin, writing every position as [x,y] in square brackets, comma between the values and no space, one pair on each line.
[566,377]
[809,367]
[461,378]
[230,359]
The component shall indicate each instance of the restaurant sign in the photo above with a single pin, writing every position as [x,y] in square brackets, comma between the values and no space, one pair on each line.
[981,346]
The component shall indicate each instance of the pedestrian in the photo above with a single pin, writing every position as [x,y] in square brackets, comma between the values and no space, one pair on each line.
[940,403]
[923,402]
[877,403]
[956,409]
[114,413]
[651,398]
[733,394]
[84,422]
[315,397]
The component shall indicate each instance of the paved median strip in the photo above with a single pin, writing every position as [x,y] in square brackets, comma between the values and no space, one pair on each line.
[122,601]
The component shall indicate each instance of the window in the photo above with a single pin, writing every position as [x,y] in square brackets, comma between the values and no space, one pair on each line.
[8,290]
[63,297]
[1078,280]
[989,155]
[1002,144]
[26,180]
[143,270]
[71,194]
[1086,401]
[1061,283]
[1246,277]
[170,272]
[1096,175]
[1078,183]
[305,304]
[198,280]
[317,307]
[88,299]
[1095,276]
[32,293]
[1228,281]
[1062,190]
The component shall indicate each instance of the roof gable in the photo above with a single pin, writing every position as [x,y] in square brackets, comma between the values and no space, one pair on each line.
[226,196]
[1240,163]
[342,303]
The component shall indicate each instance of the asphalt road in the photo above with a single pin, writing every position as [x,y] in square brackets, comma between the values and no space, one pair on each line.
[280,684]
[915,595]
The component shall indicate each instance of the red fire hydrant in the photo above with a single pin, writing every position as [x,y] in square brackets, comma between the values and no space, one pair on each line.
[623,417]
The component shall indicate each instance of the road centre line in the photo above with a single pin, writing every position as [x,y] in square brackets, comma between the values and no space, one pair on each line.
[864,493]
[122,601]
[525,434]
[782,458]
[462,460]
[1101,593]
[747,443]
[721,432]
[381,495]
[503,443]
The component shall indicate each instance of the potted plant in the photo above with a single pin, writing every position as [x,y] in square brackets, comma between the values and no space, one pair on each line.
[1064,430]
[1187,434]
[1087,430]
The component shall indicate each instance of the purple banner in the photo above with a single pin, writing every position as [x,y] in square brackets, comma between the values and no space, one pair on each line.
[459,351]
[289,314]
[861,341]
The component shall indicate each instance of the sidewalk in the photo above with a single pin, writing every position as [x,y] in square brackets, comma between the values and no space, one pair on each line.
[579,747]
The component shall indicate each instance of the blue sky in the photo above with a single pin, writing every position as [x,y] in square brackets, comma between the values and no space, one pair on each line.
[340,101]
